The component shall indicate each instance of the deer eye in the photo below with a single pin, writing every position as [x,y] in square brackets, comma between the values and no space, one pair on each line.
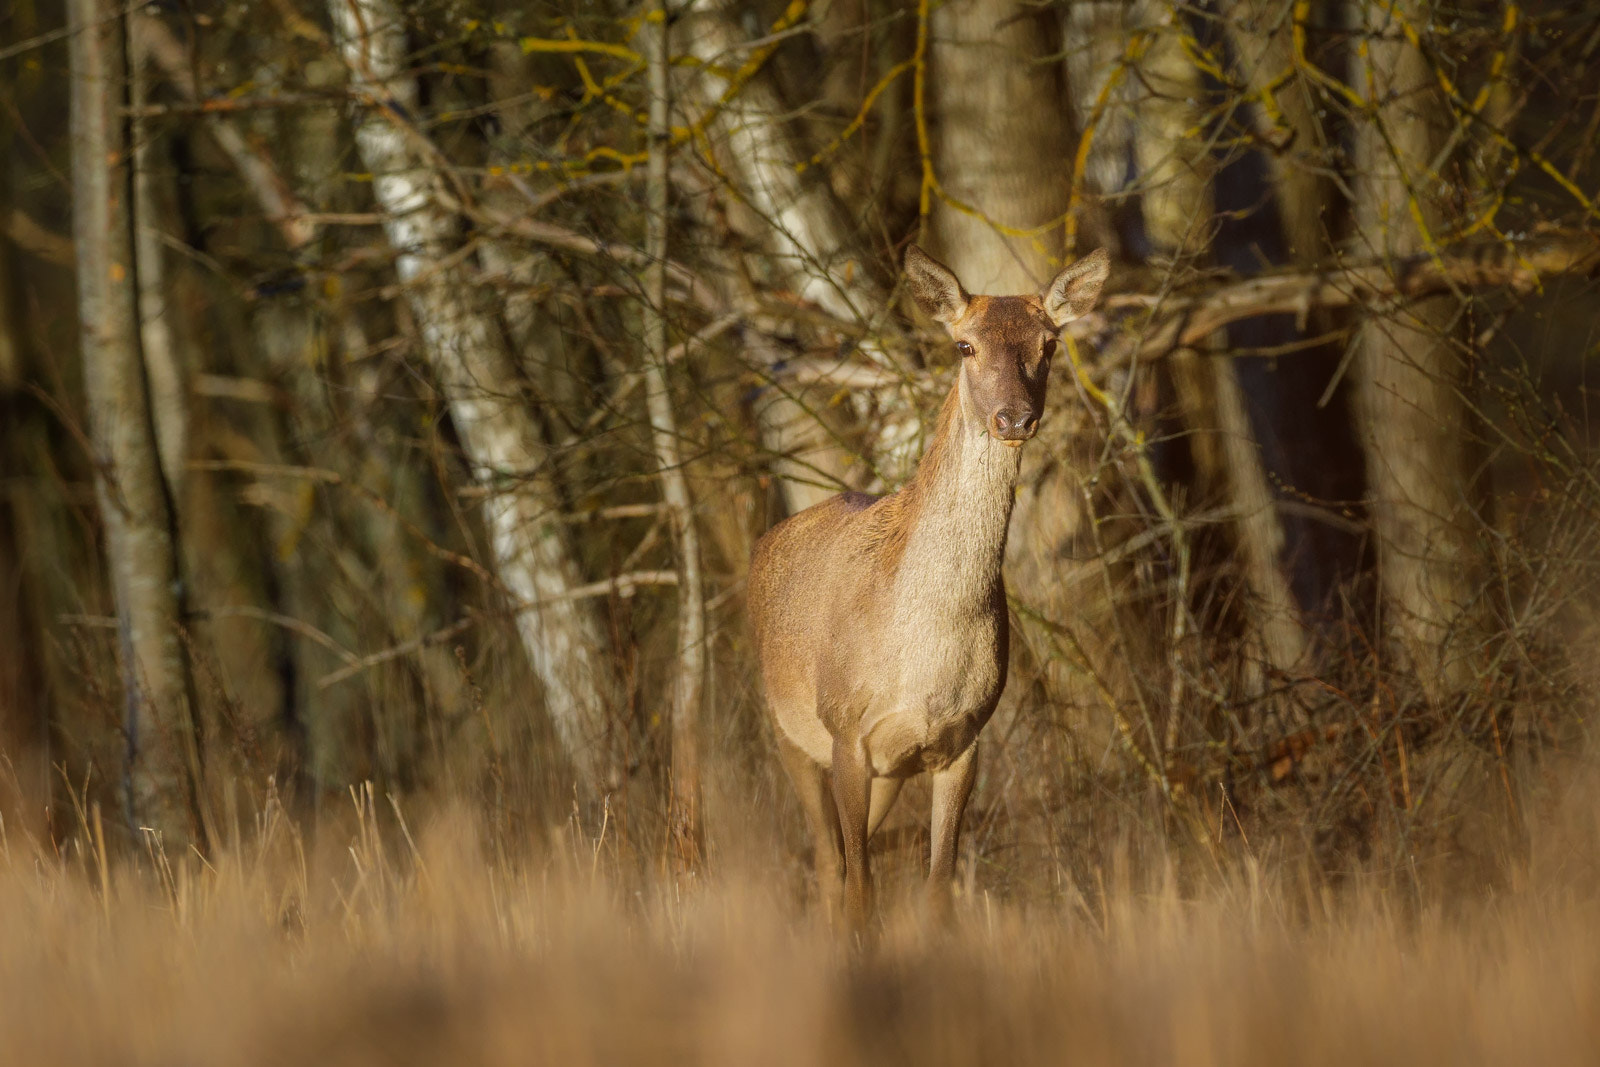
[1049,347]
[964,348]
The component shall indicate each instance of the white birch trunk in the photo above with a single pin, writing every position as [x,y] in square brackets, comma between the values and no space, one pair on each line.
[562,639]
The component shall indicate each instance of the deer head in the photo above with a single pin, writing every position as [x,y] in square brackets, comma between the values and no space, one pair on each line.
[1005,342]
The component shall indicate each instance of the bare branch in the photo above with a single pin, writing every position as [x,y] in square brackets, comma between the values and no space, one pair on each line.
[623,585]
[1517,266]
[278,200]
[1185,320]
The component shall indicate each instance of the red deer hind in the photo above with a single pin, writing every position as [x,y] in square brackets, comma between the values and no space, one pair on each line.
[880,622]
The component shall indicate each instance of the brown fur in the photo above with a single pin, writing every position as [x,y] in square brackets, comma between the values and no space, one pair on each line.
[892,518]
[881,622]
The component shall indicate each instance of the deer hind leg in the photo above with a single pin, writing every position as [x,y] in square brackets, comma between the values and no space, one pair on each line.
[816,800]
[951,787]
[884,792]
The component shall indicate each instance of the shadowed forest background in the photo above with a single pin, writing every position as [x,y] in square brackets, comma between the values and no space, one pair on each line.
[391,394]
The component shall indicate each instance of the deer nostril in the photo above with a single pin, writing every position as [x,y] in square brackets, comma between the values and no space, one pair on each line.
[1013,426]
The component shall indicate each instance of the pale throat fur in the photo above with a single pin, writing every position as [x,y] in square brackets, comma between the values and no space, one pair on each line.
[959,507]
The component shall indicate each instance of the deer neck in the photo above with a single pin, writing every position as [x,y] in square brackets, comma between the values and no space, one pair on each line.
[958,510]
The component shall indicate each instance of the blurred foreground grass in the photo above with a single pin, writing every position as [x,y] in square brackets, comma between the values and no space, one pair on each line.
[378,940]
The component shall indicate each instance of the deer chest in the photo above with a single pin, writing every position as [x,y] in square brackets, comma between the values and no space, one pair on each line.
[941,689]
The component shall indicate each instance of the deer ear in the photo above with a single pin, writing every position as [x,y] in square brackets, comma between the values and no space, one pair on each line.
[1073,293]
[935,286]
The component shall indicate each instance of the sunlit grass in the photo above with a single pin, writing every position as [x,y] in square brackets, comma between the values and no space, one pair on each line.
[382,939]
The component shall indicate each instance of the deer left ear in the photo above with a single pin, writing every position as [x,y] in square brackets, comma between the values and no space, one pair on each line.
[935,286]
[1074,292]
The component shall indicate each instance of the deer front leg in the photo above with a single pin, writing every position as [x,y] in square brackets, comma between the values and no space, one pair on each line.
[852,796]
[951,787]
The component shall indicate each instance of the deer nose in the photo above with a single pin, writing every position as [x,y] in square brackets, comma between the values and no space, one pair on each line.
[1011,425]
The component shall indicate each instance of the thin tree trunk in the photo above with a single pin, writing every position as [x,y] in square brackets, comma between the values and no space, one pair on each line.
[168,392]
[1277,205]
[163,768]
[1413,415]
[10,332]
[808,232]
[1096,37]
[562,639]
[689,679]
[1285,112]
[1276,615]
[518,272]
[1269,208]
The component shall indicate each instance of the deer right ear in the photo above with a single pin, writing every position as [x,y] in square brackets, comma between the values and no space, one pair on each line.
[935,286]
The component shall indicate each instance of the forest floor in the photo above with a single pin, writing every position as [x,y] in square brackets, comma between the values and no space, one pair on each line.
[385,940]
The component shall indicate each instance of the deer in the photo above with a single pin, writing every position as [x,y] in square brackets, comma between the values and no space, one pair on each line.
[880,622]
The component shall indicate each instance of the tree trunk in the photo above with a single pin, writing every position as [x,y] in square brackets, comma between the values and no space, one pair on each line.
[163,768]
[169,401]
[1270,209]
[1275,616]
[463,342]
[1098,88]
[1276,206]
[807,233]
[1414,418]
[689,677]
[1001,143]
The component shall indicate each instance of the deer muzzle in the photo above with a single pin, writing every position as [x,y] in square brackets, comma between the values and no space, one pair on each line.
[1013,426]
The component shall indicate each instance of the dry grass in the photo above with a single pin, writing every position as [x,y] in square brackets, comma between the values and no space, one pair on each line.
[374,941]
